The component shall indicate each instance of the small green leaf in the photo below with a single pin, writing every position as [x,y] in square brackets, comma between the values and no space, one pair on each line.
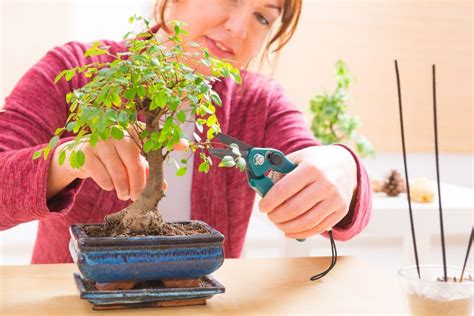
[72,159]
[181,171]
[205,62]
[69,97]
[159,101]
[116,100]
[126,34]
[215,97]
[80,158]
[70,74]
[95,50]
[148,146]
[141,92]
[227,161]
[211,120]
[53,141]
[193,98]
[177,29]
[58,131]
[204,167]
[236,76]
[60,75]
[46,152]
[161,98]
[108,101]
[123,117]
[62,157]
[197,137]
[37,154]
[94,139]
[181,116]
[117,133]
[227,158]
[130,93]
[210,134]
[236,151]
[199,127]
[241,163]
[102,95]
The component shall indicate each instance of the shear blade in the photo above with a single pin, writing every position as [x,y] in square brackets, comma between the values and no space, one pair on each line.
[221,153]
[226,139]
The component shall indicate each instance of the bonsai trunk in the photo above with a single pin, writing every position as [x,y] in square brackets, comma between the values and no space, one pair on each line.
[143,217]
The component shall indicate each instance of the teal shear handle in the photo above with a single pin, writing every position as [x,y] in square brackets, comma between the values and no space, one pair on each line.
[260,162]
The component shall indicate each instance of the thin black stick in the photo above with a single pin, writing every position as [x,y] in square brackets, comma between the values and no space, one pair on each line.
[441,222]
[467,254]
[406,170]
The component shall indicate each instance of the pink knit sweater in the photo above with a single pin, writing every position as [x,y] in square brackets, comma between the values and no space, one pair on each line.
[257,112]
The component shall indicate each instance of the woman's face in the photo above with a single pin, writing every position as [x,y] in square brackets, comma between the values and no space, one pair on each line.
[234,30]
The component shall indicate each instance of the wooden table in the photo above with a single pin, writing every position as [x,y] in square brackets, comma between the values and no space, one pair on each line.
[253,287]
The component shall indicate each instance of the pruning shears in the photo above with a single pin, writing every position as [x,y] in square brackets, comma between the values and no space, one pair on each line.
[264,166]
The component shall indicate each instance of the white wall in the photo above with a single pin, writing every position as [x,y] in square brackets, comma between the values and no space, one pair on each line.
[30,28]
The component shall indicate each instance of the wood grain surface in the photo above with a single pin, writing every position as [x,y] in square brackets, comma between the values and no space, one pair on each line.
[253,287]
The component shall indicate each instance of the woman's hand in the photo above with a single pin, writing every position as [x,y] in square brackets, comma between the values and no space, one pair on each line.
[316,195]
[112,164]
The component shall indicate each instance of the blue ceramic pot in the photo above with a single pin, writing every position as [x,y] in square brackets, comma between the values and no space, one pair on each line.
[109,259]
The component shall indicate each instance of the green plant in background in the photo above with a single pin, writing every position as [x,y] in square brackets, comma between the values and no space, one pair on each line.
[331,123]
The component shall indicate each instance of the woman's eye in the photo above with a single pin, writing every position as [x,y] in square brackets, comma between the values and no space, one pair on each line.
[261,19]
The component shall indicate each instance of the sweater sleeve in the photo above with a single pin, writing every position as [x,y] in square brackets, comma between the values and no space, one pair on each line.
[287,130]
[31,114]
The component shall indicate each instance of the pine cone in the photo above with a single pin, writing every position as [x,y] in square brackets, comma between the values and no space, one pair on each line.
[394,184]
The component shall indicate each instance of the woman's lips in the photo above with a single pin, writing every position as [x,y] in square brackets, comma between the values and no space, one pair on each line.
[219,49]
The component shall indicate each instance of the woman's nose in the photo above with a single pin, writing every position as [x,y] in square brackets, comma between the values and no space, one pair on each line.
[238,24]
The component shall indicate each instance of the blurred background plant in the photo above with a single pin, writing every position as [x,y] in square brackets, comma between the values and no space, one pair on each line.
[331,123]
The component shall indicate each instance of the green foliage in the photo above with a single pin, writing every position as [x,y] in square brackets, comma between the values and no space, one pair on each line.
[151,79]
[331,123]
[230,161]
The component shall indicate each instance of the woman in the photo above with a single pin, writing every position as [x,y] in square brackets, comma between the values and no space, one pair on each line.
[328,189]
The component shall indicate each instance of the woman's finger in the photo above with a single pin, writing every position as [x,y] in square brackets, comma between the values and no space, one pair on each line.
[309,219]
[115,167]
[135,164]
[300,203]
[329,222]
[95,169]
[288,186]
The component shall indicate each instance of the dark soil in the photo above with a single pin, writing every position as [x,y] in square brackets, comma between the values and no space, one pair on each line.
[165,229]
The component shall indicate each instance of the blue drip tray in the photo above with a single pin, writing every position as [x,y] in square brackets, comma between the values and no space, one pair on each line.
[146,292]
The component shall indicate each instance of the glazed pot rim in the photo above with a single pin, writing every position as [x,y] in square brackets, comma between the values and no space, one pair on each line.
[78,233]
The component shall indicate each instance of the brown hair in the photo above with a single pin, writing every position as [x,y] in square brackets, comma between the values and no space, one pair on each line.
[290,16]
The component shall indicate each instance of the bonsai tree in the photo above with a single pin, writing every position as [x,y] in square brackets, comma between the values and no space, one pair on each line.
[331,123]
[150,80]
